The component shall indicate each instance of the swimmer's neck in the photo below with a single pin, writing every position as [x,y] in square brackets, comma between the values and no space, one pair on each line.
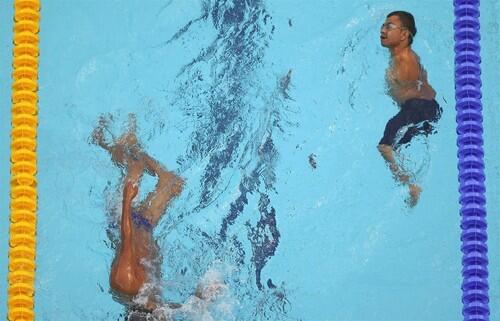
[400,51]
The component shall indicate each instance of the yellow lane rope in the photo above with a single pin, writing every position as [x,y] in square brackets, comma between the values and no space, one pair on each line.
[23,195]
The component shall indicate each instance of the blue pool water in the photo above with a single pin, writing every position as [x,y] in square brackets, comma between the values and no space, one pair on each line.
[271,111]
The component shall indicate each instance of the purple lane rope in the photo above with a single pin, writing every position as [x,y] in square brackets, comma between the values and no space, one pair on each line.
[470,161]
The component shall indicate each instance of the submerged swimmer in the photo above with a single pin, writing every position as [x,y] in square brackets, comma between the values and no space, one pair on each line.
[136,267]
[408,86]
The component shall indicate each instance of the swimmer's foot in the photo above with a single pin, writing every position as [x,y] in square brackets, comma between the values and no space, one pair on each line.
[130,191]
[414,191]
[98,136]
[98,133]
[171,183]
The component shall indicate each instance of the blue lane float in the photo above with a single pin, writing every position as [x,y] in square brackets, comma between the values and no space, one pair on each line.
[470,161]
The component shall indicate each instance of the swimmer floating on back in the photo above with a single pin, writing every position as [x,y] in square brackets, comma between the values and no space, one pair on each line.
[137,259]
[408,86]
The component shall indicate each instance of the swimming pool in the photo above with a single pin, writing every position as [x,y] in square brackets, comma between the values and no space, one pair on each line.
[295,162]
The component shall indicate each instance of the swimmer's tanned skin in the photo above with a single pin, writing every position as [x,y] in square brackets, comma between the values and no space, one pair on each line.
[128,272]
[136,269]
[409,88]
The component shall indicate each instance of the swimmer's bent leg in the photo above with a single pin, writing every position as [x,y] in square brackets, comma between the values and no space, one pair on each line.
[127,273]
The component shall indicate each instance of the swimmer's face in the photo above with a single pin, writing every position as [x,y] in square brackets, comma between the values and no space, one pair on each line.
[392,32]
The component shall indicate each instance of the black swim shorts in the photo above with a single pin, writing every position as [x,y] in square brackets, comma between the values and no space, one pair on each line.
[416,117]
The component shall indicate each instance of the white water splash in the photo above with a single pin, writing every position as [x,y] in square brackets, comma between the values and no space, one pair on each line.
[212,301]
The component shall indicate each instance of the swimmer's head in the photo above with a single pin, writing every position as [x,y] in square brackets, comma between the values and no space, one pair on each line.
[398,27]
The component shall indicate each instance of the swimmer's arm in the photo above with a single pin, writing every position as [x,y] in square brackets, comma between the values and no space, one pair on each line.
[426,83]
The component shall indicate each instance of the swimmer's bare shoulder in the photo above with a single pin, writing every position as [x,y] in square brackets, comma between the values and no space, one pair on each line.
[406,68]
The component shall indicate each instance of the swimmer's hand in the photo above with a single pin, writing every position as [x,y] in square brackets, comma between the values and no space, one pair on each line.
[130,191]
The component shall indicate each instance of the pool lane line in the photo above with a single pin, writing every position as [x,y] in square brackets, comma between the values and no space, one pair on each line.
[471,174]
[23,160]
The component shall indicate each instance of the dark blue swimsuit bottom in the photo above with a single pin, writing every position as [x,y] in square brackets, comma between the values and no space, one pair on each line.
[141,222]
[416,117]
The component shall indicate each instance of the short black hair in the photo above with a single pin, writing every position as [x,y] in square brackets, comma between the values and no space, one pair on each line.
[407,21]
